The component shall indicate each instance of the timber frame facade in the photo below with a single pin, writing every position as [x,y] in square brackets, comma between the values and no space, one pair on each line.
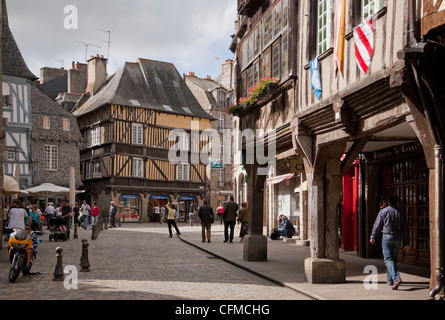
[396,105]
[126,155]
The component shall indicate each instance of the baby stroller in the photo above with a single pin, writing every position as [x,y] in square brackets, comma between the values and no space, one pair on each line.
[57,229]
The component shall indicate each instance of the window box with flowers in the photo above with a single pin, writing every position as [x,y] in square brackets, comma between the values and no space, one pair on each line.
[256,93]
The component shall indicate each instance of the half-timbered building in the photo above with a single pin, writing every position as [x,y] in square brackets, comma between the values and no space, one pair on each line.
[363,112]
[127,122]
[16,84]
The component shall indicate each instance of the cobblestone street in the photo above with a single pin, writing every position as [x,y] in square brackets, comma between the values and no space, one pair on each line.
[138,261]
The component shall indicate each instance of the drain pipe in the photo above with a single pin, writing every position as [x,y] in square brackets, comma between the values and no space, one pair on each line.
[438,155]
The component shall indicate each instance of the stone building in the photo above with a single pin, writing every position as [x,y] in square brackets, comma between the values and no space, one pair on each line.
[55,141]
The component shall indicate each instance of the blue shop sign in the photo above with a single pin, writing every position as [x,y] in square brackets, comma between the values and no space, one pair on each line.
[157,197]
[186,198]
[129,196]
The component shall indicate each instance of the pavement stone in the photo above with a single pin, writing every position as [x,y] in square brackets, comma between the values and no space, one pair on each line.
[140,262]
[136,262]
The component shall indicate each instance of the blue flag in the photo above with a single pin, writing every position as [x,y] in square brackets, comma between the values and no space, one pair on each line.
[316,77]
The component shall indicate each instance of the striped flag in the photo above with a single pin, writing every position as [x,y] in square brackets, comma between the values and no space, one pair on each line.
[339,34]
[364,44]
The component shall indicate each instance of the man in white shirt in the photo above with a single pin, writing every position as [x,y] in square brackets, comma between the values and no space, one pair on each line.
[50,212]
[17,216]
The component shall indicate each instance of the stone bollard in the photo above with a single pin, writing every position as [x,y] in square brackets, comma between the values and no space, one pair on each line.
[84,261]
[94,232]
[76,236]
[58,271]
[101,224]
[106,223]
[119,222]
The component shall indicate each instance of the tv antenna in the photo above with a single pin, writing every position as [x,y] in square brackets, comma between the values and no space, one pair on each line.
[86,48]
[61,61]
[107,41]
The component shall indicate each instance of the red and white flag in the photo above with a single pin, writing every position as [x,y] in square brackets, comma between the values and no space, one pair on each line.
[364,44]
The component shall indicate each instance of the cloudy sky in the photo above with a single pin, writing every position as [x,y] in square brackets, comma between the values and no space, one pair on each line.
[194,35]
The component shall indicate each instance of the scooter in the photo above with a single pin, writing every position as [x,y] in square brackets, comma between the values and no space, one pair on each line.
[22,246]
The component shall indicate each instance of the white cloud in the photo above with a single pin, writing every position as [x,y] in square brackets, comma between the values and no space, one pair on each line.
[188,33]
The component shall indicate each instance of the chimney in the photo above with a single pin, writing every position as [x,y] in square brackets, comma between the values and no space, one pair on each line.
[48,74]
[97,74]
[209,77]
[77,78]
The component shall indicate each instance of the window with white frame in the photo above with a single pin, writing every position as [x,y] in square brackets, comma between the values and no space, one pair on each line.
[183,171]
[66,124]
[137,169]
[182,141]
[137,133]
[46,123]
[221,98]
[267,29]
[221,176]
[276,61]
[324,25]
[277,20]
[221,122]
[370,8]
[94,137]
[51,156]
[285,54]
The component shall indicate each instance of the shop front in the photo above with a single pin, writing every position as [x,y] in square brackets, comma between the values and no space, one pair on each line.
[153,201]
[129,208]
[184,203]
[402,171]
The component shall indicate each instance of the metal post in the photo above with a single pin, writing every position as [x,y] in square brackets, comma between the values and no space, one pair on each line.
[84,261]
[58,271]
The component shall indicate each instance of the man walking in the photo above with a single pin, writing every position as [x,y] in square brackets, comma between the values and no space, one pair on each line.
[50,212]
[85,210]
[229,218]
[392,222]
[205,213]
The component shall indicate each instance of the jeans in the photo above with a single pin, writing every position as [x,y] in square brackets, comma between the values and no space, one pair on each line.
[85,221]
[94,220]
[228,224]
[390,246]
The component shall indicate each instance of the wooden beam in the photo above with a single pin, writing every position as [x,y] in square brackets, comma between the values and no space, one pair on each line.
[352,154]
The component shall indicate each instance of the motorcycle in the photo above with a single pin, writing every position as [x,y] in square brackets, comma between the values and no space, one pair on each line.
[22,247]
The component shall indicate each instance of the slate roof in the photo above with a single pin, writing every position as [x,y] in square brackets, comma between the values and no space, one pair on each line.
[152,85]
[56,86]
[13,63]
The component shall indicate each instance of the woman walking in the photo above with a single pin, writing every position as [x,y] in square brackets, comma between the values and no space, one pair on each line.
[171,216]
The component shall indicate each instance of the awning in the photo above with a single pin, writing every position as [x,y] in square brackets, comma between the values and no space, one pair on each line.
[278,179]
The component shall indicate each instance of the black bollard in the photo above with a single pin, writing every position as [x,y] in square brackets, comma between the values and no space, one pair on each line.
[84,261]
[58,271]
[75,232]
[94,232]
